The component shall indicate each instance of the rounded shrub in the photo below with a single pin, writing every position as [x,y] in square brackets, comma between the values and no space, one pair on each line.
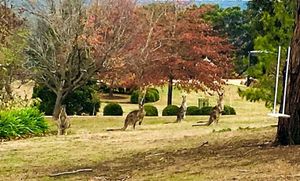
[206,110]
[228,110]
[113,109]
[170,110]
[155,94]
[83,100]
[152,95]
[151,110]
[193,110]
[134,98]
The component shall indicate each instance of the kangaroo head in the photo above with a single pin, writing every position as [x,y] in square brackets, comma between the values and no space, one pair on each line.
[63,108]
[183,98]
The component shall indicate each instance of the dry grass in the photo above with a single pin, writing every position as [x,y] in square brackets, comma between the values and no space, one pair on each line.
[238,149]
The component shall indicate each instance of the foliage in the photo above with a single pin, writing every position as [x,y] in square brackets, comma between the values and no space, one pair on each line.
[151,110]
[277,28]
[152,95]
[134,98]
[118,90]
[228,110]
[12,42]
[235,24]
[113,109]
[22,122]
[58,56]
[170,110]
[206,110]
[83,100]
[193,110]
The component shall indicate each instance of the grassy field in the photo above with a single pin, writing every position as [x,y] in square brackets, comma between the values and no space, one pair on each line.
[238,148]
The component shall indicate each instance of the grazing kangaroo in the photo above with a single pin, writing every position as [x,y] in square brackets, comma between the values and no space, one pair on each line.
[133,117]
[216,111]
[182,110]
[63,122]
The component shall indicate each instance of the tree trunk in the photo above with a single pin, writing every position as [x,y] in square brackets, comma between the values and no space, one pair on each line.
[111,92]
[57,106]
[288,131]
[170,91]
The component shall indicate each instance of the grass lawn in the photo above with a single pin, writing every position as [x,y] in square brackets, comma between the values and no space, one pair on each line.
[237,149]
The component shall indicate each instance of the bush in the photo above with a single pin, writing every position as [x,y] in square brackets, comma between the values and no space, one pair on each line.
[155,94]
[229,110]
[83,100]
[151,110]
[22,122]
[206,110]
[152,95]
[134,98]
[193,110]
[113,109]
[170,110]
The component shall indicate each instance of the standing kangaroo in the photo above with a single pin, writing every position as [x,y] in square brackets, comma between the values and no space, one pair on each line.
[182,110]
[133,117]
[63,122]
[216,111]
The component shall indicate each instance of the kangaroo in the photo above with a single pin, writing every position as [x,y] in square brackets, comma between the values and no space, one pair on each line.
[182,110]
[216,111]
[63,122]
[133,117]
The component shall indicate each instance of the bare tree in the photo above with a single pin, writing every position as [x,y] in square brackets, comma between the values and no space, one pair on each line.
[57,55]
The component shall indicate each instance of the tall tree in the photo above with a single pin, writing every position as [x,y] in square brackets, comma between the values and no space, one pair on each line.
[277,31]
[288,131]
[131,41]
[193,54]
[58,56]
[234,23]
[12,42]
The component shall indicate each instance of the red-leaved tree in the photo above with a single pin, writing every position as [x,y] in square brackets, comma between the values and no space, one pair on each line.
[192,52]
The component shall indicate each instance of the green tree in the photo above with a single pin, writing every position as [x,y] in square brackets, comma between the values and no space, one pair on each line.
[12,42]
[233,23]
[277,30]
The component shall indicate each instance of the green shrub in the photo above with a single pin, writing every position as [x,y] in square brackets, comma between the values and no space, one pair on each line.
[206,110]
[155,94]
[229,110]
[170,110]
[22,122]
[152,95]
[113,109]
[134,98]
[151,110]
[83,100]
[193,110]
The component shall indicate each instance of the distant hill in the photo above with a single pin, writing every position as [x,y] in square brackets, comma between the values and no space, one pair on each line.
[222,3]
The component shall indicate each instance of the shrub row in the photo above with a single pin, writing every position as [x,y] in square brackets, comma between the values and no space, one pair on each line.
[114,109]
[152,95]
[22,122]
[172,110]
